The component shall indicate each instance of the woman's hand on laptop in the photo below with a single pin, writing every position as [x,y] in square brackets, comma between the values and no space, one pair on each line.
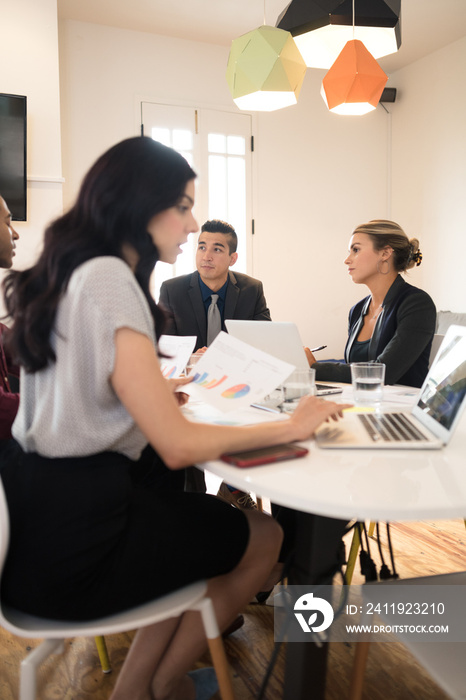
[312,411]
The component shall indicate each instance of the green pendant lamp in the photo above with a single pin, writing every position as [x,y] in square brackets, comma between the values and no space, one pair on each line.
[265,70]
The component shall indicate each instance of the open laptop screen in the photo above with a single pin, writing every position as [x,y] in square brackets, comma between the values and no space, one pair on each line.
[443,393]
[280,339]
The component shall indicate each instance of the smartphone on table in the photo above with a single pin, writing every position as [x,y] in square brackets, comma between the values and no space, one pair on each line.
[264,455]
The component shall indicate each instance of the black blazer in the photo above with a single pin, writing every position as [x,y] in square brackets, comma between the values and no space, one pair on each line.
[181,299]
[402,337]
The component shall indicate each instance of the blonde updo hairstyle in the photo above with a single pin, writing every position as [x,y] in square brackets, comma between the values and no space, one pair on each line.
[406,253]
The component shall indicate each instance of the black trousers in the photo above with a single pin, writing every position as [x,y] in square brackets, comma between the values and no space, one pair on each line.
[9,452]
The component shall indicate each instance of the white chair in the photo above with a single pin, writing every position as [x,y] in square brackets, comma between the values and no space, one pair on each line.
[54,632]
[443,660]
[436,343]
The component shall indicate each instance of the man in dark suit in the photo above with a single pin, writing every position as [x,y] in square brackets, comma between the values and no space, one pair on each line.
[187,300]
[9,398]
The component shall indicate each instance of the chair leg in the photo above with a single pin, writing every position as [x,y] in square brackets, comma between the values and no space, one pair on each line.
[260,507]
[222,669]
[103,654]
[359,668]
[216,648]
[353,554]
[370,531]
[29,666]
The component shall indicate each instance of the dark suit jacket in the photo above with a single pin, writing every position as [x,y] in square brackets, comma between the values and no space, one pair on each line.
[402,337]
[182,300]
[9,400]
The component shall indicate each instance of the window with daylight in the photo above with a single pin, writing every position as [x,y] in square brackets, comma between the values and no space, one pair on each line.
[218,147]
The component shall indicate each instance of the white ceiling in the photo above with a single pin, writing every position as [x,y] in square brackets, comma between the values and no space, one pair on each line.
[426,25]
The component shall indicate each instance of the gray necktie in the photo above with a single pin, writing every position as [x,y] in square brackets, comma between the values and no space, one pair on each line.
[214,320]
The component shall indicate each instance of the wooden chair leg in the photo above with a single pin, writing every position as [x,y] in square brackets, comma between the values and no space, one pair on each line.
[222,669]
[359,667]
[370,532]
[216,648]
[103,654]
[260,507]
[353,554]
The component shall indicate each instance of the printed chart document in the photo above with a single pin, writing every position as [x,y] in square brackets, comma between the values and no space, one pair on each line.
[232,374]
[178,349]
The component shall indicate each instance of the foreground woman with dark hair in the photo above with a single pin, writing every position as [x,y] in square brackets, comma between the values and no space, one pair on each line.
[92,396]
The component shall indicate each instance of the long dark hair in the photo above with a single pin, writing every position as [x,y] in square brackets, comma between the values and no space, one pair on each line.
[128,185]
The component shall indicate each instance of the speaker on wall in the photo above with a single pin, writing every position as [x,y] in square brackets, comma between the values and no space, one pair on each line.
[388,95]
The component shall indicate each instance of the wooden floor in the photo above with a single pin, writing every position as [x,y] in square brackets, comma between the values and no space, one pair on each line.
[392,674]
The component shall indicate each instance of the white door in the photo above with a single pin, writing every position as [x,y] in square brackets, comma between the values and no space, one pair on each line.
[218,146]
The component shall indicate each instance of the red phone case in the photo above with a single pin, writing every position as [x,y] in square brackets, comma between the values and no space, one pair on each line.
[255,458]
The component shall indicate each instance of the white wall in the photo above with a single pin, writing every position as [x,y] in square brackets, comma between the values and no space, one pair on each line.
[429,168]
[105,72]
[317,175]
[29,61]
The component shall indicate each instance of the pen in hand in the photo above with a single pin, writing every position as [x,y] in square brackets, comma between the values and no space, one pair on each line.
[321,347]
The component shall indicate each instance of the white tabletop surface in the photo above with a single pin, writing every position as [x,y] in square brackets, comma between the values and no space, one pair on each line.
[364,484]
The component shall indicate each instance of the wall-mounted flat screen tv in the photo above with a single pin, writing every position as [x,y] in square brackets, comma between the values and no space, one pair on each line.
[13,176]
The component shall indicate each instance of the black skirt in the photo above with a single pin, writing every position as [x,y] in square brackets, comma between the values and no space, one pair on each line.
[87,542]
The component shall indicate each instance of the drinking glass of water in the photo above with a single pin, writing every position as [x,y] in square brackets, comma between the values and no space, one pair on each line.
[368,380]
[300,383]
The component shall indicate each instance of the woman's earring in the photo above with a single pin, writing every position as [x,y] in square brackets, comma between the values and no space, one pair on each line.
[380,271]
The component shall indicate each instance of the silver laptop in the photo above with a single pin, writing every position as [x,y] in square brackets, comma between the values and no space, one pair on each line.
[280,339]
[430,423]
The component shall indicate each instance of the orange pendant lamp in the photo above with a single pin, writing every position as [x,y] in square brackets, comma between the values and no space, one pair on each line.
[355,82]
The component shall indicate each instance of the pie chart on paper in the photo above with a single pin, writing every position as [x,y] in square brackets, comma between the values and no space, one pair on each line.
[236,392]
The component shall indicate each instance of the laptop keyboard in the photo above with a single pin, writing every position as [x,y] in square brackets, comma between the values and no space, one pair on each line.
[390,427]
